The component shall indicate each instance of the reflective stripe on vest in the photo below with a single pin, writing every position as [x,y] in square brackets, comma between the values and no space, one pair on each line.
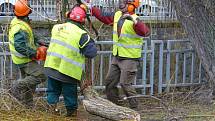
[17,54]
[66,59]
[15,26]
[63,53]
[128,35]
[65,45]
[128,44]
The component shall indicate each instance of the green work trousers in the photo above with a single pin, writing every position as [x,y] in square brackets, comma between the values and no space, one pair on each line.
[121,72]
[24,88]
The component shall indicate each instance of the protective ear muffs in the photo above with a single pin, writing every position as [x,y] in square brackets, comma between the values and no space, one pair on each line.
[30,11]
[84,7]
[67,14]
[130,8]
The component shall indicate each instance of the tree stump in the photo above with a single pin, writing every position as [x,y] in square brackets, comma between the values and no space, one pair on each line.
[104,108]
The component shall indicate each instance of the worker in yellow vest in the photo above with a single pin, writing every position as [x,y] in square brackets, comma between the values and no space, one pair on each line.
[128,33]
[25,53]
[69,46]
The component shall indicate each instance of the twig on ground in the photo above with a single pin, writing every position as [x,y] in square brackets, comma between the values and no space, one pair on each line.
[192,116]
[5,104]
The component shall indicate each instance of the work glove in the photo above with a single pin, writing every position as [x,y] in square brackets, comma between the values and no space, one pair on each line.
[41,53]
[129,17]
[43,43]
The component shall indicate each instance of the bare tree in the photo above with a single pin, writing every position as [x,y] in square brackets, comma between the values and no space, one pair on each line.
[198,19]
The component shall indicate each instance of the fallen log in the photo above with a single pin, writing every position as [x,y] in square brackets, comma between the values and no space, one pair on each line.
[96,105]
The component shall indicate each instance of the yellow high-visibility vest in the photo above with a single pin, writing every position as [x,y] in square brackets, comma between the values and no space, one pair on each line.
[128,44]
[63,53]
[15,26]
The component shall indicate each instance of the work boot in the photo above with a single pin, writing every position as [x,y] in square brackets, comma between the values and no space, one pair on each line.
[71,113]
[28,99]
[133,104]
[120,103]
[18,95]
[136,107]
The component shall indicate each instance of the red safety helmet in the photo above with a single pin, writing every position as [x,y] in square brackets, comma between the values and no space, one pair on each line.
[21,8]
[78,14]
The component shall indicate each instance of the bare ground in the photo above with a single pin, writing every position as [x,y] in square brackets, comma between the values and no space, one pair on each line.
[175,107]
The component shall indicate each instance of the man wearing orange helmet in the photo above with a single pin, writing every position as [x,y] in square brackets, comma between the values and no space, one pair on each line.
[128,31]
[25,53]
[69,46]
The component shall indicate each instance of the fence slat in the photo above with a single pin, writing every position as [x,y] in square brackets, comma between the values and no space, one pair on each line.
[176,67]
[144,84]
[160,80]
[152,68]
[184,68]
[168,65]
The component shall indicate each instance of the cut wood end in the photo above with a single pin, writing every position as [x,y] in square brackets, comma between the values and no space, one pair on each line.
[96,105]
[113,111]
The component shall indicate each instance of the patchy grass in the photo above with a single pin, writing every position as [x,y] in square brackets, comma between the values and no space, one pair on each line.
[187,112]
[151,110]
[29,115]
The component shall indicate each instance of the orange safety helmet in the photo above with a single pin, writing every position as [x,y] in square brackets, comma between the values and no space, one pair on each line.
[132,4]
[21,8]
[78,14]
[136,3]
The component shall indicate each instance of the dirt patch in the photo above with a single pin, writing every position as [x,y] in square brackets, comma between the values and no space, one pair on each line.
[175,109]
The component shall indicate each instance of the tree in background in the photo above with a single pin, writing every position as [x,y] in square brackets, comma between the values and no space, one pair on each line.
[198,19]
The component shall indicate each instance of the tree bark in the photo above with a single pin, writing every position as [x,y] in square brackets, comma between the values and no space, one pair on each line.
[198,19]
[59,9]
[104,108]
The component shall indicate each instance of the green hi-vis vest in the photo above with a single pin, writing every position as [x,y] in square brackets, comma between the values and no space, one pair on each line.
[63,53]
[128,44]
[15,26]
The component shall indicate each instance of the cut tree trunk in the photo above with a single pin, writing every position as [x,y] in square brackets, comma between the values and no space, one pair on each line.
[198,19]
[104,108]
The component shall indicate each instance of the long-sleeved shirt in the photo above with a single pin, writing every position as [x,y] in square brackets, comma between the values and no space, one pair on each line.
[108,18]
[21,44]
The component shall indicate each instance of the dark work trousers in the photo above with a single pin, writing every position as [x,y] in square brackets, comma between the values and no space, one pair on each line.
[121,72]
[24,88]
[69,91]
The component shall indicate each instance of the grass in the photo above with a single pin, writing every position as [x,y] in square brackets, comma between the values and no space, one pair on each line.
[151,110]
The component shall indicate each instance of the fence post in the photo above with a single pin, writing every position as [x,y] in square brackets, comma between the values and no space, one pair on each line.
[152,68]
[160,82]
[168,66]
[144,67]
[184,68]
[176,67]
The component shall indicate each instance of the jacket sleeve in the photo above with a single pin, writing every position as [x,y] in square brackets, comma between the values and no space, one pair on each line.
[106,18]
[141,29]
[87,46]
[21,44]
